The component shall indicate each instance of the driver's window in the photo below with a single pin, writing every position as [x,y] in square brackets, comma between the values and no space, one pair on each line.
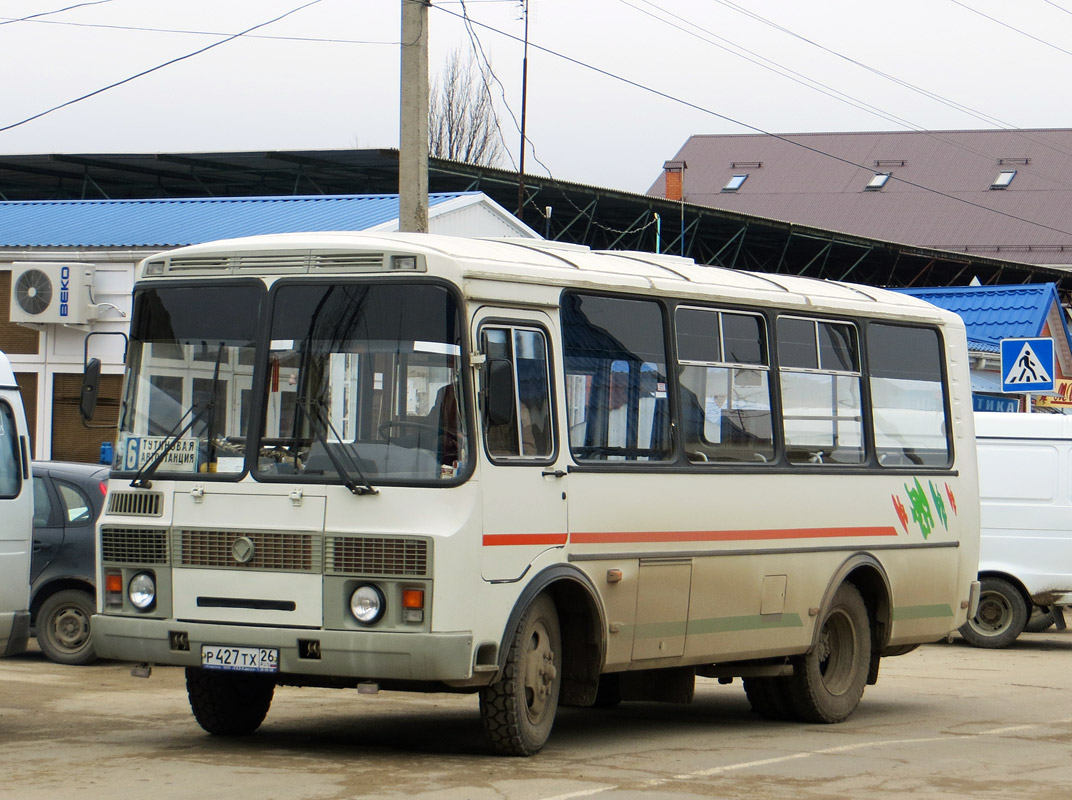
[517,418]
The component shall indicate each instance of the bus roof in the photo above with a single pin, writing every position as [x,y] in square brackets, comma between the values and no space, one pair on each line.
[7,375]
[529,261]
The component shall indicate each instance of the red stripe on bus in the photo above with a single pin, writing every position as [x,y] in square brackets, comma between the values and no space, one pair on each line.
[498,539]
[727,536]
[633,537]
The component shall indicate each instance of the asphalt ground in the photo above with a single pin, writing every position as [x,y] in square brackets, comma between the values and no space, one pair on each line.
[945,721]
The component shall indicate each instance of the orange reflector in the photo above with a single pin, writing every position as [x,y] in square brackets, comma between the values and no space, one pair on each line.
[113,582]
[413,598]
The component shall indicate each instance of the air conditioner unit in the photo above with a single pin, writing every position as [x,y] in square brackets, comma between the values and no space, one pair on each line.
[60,293]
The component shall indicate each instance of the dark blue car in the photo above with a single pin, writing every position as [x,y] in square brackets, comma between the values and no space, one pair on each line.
[68,499]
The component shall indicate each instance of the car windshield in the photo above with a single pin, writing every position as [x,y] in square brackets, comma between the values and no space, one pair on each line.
[190,378]
[363,385]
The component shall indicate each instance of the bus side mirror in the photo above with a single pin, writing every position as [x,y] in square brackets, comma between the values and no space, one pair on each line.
[87,400]
[499,407]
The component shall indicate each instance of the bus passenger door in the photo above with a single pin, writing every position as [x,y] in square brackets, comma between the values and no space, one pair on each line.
[522,485]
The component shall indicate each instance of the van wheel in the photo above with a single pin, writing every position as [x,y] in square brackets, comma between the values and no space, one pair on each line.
[1039,620]
[1001,617]
[829,680]
[63,627]
[519,709]
[226,703]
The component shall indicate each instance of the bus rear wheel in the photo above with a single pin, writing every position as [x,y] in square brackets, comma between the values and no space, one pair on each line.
[829,680]
[519,709]
[227,703]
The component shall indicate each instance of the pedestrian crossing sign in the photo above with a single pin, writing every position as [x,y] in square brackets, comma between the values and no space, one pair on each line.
[1027,365]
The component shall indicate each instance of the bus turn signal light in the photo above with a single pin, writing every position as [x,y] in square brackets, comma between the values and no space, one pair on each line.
[413,605]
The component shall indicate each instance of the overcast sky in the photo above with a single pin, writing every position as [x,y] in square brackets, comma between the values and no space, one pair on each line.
[615,87]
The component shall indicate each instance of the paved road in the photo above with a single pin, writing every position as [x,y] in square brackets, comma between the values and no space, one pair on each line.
[947,721]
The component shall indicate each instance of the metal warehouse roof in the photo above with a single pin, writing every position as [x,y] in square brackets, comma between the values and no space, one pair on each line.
[598,217]
[174,222]
[942,194]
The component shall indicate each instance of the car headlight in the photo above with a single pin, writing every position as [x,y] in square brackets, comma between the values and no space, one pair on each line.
[142,591]
[367,604]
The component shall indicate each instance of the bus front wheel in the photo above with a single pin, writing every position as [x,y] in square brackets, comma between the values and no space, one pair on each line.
[829,680]
[519,709]
[228,704]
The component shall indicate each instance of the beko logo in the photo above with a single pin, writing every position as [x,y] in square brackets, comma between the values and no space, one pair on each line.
[65,290]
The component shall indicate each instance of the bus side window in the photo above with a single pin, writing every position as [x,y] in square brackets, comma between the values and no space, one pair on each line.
[822,405]
[723,380]
[908,395]
[517,399]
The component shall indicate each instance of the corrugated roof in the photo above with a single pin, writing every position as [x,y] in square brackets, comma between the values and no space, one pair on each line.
[993,313]
[175,222]
[939,194]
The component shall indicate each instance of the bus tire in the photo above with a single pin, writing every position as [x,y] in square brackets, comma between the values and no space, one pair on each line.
[519,709]
[768,698]
[228,704]
[829,680]
[63,631]
[1001,617]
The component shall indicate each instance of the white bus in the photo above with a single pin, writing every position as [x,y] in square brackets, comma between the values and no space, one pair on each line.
[533,471]
[16,516]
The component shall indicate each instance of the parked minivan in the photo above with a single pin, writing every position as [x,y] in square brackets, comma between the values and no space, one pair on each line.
[1025,556]
[16,512]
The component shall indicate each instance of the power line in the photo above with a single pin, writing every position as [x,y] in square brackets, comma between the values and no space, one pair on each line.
[997,21]
[187,32]
[34,17]
[787,140]
[168,63]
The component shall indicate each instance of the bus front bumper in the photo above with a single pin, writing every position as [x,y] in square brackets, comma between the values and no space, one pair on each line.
[367,655]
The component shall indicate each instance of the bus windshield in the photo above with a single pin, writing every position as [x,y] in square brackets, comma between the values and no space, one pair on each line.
[190,378]
[363,384]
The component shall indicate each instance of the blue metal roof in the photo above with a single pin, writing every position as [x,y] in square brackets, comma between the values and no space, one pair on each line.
[993,313]
[180,221]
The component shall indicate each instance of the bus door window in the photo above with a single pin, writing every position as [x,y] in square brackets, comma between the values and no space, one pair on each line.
[723,379]
[822,409]
[615,366]
[517,401]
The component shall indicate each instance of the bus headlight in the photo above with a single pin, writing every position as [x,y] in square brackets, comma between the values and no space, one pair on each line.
[367,604]
[142,591]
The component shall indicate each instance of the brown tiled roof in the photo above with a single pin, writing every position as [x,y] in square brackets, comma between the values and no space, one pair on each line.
[938,196]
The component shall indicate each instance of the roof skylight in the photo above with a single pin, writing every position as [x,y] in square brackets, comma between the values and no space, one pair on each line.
[877,182]
[735,183]
[1003,179]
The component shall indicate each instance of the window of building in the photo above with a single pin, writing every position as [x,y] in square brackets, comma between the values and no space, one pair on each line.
[877,182]
[1003,179]
[735,183]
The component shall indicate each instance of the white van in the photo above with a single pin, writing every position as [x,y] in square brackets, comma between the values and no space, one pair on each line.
[16,511]
[1025,556]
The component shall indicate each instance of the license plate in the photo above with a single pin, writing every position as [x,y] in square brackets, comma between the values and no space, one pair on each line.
[239,659]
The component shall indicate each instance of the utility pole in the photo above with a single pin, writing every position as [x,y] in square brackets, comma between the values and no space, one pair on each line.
[524,104]
[413,119]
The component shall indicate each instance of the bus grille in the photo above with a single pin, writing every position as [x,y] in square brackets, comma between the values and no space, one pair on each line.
[370,555]
[292,552]
[134,545]
[136,504]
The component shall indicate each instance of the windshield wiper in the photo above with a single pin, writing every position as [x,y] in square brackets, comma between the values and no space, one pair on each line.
[141,477]
[318,423]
